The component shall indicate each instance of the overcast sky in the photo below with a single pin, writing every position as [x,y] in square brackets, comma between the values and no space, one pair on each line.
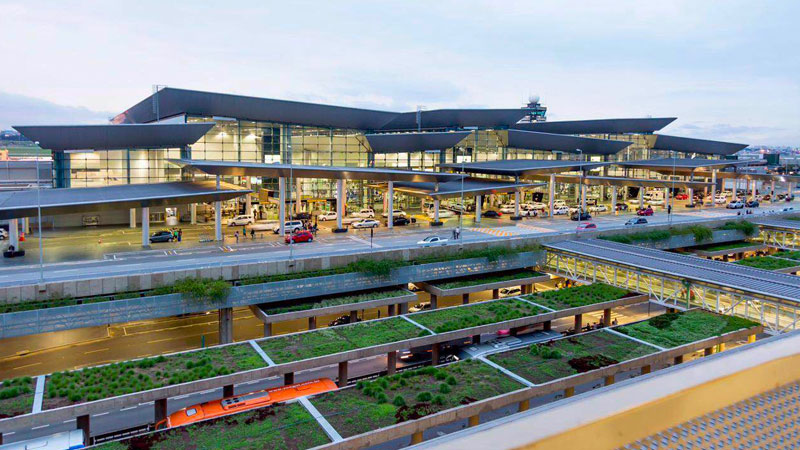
[728,70]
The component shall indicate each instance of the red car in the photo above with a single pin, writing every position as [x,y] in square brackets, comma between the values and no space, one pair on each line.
[587,226]
[681,197]
[300,236]
[645,212]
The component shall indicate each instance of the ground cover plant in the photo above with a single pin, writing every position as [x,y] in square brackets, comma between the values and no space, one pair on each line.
[16,396]
[94,383]
[675,329]
[563,357]
[326,341]
[742,225]
[337,300]
[280,427]
[728,246]
[788,255]
[410,395]
[485,279]
[573,297]
[460,317]
[767,262]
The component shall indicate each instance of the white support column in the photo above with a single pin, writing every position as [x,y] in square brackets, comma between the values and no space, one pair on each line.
[145,226]
[551,193]
[282,206]
[641,197]
[218,217]
[193,213]
[390,204]
[714,188]
[13,233]
[248,203]
[133,218]
[614,200]
[298,200]
[690,194]
[666,197]
[478,207]
[26,225]
[583,198]
[772,192]
[339,203]
[436,211]
[516,203]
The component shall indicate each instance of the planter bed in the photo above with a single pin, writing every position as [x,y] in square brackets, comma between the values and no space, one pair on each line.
[283,426]
[675,329]
[468,316]
[573,297]
[485,279]
[16,396]
[788,255]
[568,356]
[94,383]
[767,263]
[335,304]
[311,344]
[410,395]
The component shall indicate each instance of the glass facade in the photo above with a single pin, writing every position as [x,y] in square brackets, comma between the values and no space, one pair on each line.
[112,167]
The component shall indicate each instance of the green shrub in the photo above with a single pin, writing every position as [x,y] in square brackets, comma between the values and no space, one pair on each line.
[382,398]
[451,380]
[424,396]
[398,401]
[438,400]
[742,225]
[444,388]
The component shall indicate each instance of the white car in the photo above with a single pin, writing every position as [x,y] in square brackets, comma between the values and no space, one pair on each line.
[432,240]
[262,226]
[528,213]
[736,204]
[242,220]
[395,213]
[289,226]
[366,213]
[508,209]
[443,214]
[559,203]
[327,215]
[538,206]
[510,292]
[656,201]
[720,199]
[366,223]
[598,208]
[562,210]
[573,209]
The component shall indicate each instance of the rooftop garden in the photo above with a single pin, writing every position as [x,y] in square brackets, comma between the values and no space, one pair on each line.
[701,233]
[788,255]
[486,279]
[94,383]
[282,426]
[16,396]
[576,296]
[337,300]
[564,357]
[676,329]
[729,246]
[468,316]
[410,395]
[327,341]
[767,262]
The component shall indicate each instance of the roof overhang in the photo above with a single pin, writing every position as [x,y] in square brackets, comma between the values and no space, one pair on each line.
[625,182]
[779,224]
[414,142]
[692,145]
[451,189]
[534,140]
[599,126]
[111,137]
[686,165]
[456,118]
[524,168]
[18,204]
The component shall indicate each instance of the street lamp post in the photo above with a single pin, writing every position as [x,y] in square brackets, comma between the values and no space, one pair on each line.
[39,217]
[671,200]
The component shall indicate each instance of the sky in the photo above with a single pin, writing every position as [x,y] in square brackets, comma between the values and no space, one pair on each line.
[729,70]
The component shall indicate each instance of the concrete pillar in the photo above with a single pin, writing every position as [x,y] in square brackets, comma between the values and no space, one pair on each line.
[524,405]
[609,380]
[312,323]
[708,351]
[478,207]
[475,420]
[476,339]
[569,392]
[578,322]
[288,378]
[551,194]
[248,200]
[132,216]
[282,206]
[298,196]
[342,380]
[583,198]
[641,197]
[340,204]
[646,369]
[391,310]
[465,299]
[390,204]
[217,217]
[547,325]
[145,226]
[160,407]
[26,225]
[666,197]
[267,329]
[403,308]
[193,213]
[436,213]
[613,200]
[225,325]
[607,317]
[516,204]
[84,424]
[435,354]
[416,438]
[495,293]
[13,233]
[434,301]
[713,188]
[772,192]
[721,347]
[677,360]
[391,363]
[690,194]
[353,316]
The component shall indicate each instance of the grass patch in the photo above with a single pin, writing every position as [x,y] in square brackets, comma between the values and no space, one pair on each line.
[788,255]
[460,317]
[767,262]
[410,395]
[94,383]
[561,358]
[337,300]
[485,279]
[742,225]
[576,296]
[676,329]
[16,396]
[728,246]
[327,341]
[282,427]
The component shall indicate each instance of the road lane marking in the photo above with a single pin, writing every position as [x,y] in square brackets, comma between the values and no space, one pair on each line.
[101,414]
[40,427]
[96,351]
[26,366]
[129,408]
[364,241]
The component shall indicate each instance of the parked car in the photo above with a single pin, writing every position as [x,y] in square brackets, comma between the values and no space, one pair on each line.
[598,208]
[577,216]
[342,320]
[492,214]
[301,216]
[395,213]
[751,204]
[365,223]
[327,215]
[562,210]
[621,207]
[419,307]
[720,199]
[510,291]
[289,226]
[528,213]
[443,214]
[300,236]
[648,211]
[539,206]
[681,197]
[162,236]
[636,221]
[586,226]
[240,221]
[432,240]
[262,226]
[656,201]
[559,203]
[736,204]
[508,209]
[366,213]
[402,221]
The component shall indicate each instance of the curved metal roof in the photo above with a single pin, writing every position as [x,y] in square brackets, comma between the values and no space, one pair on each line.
[599,126]
[109,137]
[692,145]
[688,163]
[549,141]
[450,189]
[18,204]
[523,167]
[455,118]
[413,142]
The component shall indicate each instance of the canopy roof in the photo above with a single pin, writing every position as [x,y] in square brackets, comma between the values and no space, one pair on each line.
[18,204]
[549,141]
[105,137]
[691,145]
[599,126]
[523,167]
[235,168]
[779,224]
[591,180]
[687,163]
[450,189]
[413,142]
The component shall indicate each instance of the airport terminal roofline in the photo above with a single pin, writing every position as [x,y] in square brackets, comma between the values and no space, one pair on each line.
[523,167]
[692,145]
[111,137]
[413,142]
[251,169]
[687,163]
[174,102]
[534,140]
[591,180]
[599,126]
[450,189]
[19,204]
[733,277]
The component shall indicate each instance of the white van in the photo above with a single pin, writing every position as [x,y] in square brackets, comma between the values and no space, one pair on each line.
[289,227]
[242,220]
[366,213]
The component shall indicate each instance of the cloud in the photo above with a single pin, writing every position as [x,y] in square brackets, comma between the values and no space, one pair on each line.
[745,134]
[23,110]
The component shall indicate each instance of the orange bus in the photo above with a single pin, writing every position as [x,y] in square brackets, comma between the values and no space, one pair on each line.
[245,402]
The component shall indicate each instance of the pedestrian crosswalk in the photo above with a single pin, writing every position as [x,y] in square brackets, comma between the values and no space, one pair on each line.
[494,231]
